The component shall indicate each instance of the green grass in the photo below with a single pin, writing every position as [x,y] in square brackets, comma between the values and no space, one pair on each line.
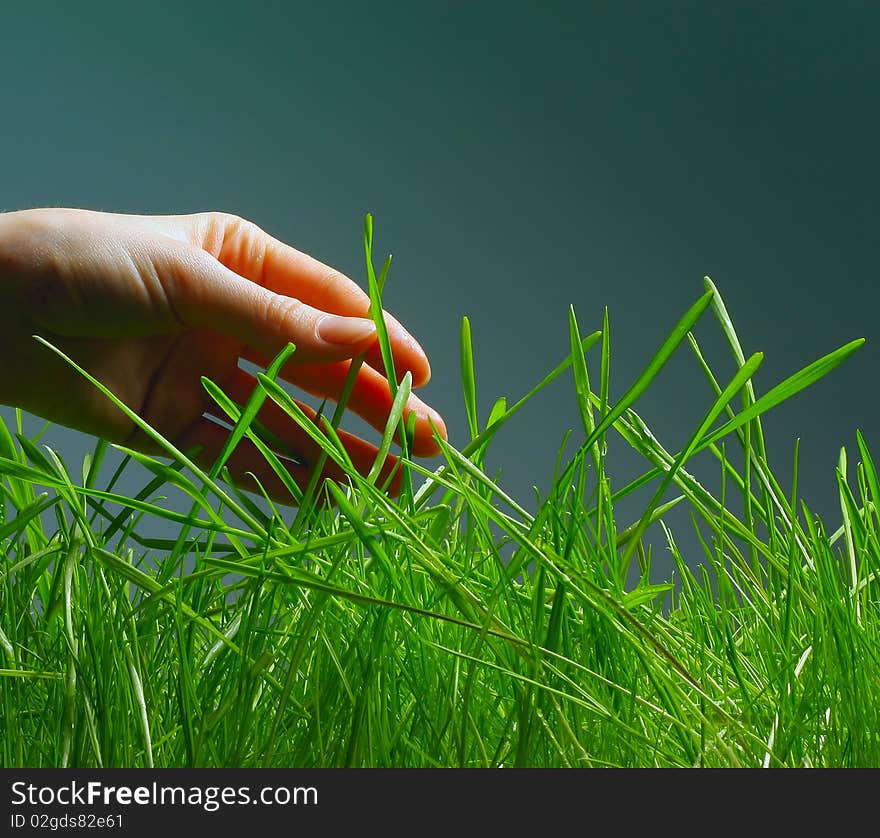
[451,626]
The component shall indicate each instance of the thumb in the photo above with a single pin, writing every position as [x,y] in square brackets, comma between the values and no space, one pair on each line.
[209,295]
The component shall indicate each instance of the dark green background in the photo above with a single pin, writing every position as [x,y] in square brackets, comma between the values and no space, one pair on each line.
[517,158]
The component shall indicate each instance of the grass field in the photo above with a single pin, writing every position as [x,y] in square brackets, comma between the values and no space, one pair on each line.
[450,626]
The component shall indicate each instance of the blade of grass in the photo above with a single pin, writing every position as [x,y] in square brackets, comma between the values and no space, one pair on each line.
[792,385]
[663,354]
[735,385]
[468,379]
[376,311]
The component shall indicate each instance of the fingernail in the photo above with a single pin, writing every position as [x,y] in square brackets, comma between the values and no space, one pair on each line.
[335,329]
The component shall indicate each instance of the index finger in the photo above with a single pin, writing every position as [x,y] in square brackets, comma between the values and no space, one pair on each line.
[251,252]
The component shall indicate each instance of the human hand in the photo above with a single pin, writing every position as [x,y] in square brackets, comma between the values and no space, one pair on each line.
[149,304]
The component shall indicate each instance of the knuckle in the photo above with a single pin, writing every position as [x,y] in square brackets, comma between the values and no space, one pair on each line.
[332,278]
[220,219]
[334,283]
[221,230]
[286,312]
[244,247]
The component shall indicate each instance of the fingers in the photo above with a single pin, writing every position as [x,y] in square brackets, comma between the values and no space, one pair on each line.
[370,398]
[206,294]
[243,282]
[247,465]
[246,462]
[250,252]
[239,387]
[299,452]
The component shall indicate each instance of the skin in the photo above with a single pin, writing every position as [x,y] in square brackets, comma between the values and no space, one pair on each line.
[149,304]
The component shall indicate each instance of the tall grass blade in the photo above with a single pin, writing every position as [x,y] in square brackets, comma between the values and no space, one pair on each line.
[736,384]
[663,354]
[792,385]
[468,379]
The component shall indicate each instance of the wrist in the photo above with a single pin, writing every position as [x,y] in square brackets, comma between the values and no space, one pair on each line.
[17,228]
[15,256]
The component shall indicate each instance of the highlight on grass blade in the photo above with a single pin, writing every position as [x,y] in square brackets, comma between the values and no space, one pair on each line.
[259,437]
[729,331]
[394,423]
[605,379]
[468,379]
[286,402]
[375,288]
[581,376]
[255,402]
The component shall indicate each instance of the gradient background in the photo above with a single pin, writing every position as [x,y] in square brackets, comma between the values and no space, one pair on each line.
[516,158]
